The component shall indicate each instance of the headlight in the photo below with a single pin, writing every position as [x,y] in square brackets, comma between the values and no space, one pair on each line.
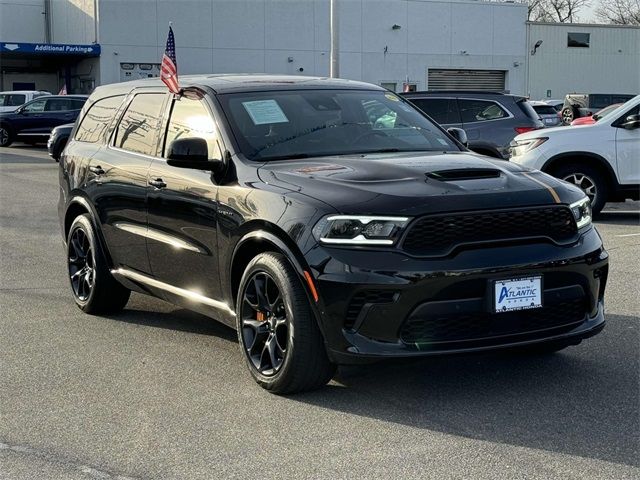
[520,147]
[359,230]
[582,212]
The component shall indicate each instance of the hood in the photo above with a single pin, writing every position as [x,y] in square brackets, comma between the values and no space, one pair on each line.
[414,184]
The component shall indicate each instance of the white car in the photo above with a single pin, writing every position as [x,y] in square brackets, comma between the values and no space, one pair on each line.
[603,159]
[9,101]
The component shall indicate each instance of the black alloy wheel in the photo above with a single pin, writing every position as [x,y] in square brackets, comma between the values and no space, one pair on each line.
[278,332]
[94,288]
[81,264]
[6,137]
[265,328]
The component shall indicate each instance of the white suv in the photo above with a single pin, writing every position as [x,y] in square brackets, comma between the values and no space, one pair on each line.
[9,101]
[603,159]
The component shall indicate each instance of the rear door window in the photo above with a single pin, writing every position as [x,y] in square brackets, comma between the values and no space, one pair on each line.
[96,121]
[60,105]
[137,131]
[480,111]
[442,110]
[12,100]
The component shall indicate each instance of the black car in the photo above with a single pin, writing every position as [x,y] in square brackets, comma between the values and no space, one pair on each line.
[33,121]
[58,140]
[327,220]
[578,105]
[490,119]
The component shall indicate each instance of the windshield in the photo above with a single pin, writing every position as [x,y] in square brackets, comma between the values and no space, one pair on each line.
[311,123]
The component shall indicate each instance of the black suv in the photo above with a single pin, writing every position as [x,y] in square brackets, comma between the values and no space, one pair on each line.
[34,121]
[327,220]
[577,105]
[490,119]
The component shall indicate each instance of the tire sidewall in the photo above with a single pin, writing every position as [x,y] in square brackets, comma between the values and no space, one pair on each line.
[264,263]
[84,222]
[573,115]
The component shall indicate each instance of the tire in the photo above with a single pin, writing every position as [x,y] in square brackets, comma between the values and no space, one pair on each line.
[277,331]
[592,181]
[6,136]
[568,115]
[94,290]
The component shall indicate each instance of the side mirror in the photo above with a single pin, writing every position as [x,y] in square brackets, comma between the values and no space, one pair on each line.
[191,153]
[460,135]
[631,122]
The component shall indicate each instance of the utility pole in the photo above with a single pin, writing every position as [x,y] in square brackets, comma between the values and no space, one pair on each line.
[334,68]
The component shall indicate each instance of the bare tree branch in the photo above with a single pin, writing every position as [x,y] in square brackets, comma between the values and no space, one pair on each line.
[619,12]
[557,11]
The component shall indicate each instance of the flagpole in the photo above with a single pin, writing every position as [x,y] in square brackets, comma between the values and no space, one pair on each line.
[334,68]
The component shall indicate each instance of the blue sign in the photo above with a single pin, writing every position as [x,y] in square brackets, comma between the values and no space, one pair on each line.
[51,49]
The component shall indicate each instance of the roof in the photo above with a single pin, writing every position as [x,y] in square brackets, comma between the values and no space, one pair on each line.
[24,92]
[235,83]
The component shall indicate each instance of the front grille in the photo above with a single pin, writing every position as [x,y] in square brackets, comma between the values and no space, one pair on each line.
[453,327]
[360,299]
[440,234]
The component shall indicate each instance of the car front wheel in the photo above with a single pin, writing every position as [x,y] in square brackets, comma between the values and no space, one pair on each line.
[589,179]
[94,288]
[277,331]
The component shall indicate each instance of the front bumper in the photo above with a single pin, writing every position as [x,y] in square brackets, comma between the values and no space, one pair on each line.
[388,304]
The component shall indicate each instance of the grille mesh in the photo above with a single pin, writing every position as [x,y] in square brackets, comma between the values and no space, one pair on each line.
[440,234]
[452,327]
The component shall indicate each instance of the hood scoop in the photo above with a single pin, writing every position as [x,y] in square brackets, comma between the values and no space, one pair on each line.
[463,174]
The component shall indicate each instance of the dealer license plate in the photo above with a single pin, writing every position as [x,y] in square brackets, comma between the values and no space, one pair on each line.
[517,294]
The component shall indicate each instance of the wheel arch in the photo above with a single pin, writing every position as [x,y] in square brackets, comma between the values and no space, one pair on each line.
[79,205]
[588,158]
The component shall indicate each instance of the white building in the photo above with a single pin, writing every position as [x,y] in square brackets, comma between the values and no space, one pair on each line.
[429,44]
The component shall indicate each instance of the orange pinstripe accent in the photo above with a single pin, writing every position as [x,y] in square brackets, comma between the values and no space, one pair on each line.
[553,193]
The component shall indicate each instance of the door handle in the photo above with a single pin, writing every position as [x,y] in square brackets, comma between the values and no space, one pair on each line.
[157,183]
[97,169]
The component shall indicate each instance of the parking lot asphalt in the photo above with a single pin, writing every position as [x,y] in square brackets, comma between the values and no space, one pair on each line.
[158,392]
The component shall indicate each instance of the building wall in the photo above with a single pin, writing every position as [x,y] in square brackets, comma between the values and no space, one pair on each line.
[22,21]
[284,36]
[611,64]
[72,21]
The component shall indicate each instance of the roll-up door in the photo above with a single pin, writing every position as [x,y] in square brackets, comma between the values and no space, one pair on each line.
[454,79]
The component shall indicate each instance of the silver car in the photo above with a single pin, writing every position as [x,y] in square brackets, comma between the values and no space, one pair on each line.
[549,115]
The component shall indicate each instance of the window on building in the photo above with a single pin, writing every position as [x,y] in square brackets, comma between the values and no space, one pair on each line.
[137,129]
[189,119]
[389,86]
[580,40]
[480,111]
[442,110]
[97,119]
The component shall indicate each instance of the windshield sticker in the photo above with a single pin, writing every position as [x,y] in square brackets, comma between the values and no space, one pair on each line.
[392,97]
[265,111]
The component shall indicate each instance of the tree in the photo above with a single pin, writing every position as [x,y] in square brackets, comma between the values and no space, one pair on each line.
[557,11]
[619,12]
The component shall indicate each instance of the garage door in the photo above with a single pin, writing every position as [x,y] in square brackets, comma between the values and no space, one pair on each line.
[452,79]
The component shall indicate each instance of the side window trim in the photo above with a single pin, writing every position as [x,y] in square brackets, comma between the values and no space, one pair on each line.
[505,109]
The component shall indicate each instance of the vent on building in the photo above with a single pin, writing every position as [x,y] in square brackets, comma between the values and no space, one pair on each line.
[456,79]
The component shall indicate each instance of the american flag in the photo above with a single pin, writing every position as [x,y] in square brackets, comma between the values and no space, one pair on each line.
[169,68]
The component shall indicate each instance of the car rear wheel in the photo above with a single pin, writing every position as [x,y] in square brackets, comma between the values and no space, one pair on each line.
[6,136]
[589,179]
[568,115]
[278,334]
[94,289]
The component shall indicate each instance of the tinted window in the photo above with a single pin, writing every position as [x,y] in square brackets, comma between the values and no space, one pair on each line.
[578,40]
[307,123]
[36,106]
[62,104]
[544,109]
[97,119]
[442,110]
[12,100]
[190,118]
[480,111]
[137,129]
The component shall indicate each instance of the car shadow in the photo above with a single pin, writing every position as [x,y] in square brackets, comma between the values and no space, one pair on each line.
[581,401]
[615,217]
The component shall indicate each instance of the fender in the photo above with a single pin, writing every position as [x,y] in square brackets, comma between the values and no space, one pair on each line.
[593,156]
[80,199]
[295,258]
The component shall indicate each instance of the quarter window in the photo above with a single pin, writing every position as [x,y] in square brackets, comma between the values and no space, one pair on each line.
[580,40]
[189,119]
[97,119]
[137,129]
[480,111]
